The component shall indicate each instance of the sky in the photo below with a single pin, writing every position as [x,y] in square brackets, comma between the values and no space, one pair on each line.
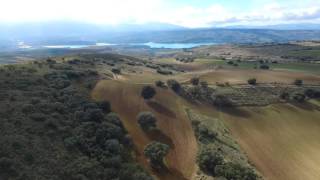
[187,13]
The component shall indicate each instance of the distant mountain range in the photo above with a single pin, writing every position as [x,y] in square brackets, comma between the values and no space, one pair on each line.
[69,32]
[301,26]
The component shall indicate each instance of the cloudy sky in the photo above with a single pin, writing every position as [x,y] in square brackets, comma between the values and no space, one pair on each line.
[188,13]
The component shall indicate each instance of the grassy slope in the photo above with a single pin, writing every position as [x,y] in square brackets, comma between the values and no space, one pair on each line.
[172,120]
[281,140]
[311,68]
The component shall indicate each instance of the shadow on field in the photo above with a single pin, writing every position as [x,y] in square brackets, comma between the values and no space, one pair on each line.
[172,174]
[161,109]
[235,112]
[307,106]
[158,135]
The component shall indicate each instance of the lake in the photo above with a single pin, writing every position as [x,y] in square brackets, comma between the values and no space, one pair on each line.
[175,45]
[150,44]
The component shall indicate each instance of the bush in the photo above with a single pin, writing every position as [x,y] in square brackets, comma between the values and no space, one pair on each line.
[8,168]
[174,85]
[164,72]
[299,97]
[133,172]
[116,70]
[95,115]
[147,121]
[285,95]
[105,106]
[298,82]
[310,93]
[70,142]
[156,151]
[113,146]
[38,117]
[264,66]
[160,83]
[114,119]
[230,62]
[252,81]
[208,158]
[148,92]
[204,134]
[195,81]
[233,171]
[27,108]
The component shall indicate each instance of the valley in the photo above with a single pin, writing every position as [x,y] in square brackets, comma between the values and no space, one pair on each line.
[202,105]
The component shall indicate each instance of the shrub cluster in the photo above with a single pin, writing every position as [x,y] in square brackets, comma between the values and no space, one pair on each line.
[185,59]
[174,85]
[147,121]
[212,162]
[51,117]
[252,81]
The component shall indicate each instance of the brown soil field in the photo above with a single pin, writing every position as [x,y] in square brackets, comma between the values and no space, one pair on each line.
[174,126]
[282,141]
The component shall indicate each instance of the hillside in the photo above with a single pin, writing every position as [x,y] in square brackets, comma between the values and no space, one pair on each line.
[80,114]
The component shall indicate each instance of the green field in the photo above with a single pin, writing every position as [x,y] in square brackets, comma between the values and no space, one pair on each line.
[294,66]
[311,52]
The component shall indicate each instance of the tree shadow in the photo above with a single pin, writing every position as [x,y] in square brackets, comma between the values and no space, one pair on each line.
[306,106]
[158,135]
[234,111]
[161,109]
[168,173]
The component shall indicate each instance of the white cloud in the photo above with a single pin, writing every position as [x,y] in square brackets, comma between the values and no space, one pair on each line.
[141,11]
[273,13]
[99,11]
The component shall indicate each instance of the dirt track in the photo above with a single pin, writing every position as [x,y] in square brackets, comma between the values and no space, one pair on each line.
[175,128]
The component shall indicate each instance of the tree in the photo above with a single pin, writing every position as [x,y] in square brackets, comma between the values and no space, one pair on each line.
[105,106]
[208,159]
[235,171]
[230,62]
[252,81]
[195,81]
[309,93]
[174,85]
[156,151]
[147,121]
[298,82]
[116,70]
[299,97]
[285,95]
[264,66]
[160,83]
[148,92]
